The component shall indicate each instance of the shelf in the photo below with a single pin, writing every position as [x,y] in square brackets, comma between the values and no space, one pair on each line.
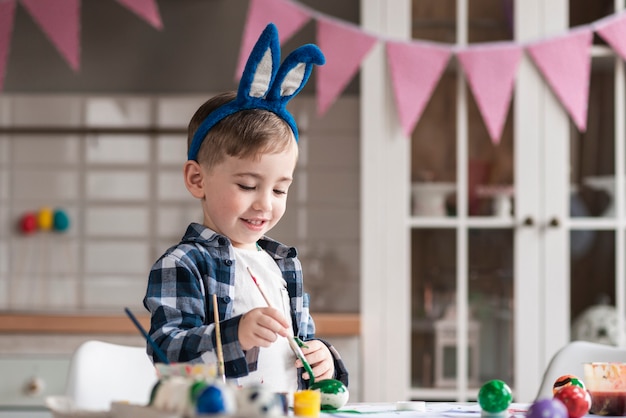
[327,324]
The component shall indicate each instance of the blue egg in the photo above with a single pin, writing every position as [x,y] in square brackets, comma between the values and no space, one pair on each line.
[211,401]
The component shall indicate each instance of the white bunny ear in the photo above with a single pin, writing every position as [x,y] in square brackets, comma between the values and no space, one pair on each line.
[262,65]
[293,80]
[294,73]
[262,76]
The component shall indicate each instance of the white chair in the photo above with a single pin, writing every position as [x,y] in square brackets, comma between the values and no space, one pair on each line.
[570,360]
[101,373]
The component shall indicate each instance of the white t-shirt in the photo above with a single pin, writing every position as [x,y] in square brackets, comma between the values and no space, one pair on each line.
[276,363]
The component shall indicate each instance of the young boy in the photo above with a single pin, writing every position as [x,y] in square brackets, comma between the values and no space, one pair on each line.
[242,156]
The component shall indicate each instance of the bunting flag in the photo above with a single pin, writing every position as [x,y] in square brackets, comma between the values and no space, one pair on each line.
[148,10]
[344,46]
[490,70]
[565,63]
[7,17]
[613,31]
[415,68]
[287,17]
[59,20]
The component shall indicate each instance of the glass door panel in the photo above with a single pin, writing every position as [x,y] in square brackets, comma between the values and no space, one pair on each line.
[593,289]
[433,290]
[490,320]
[433,147]
[490,168]
[592,153]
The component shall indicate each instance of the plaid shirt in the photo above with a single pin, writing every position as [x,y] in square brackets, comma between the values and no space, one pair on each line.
[179,299]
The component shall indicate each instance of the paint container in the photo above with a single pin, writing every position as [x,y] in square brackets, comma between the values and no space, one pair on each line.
[307,403]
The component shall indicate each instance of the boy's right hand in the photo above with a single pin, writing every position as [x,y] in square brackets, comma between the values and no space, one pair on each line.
[260,327]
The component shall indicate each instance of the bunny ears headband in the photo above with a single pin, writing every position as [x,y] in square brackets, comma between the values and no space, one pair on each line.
[264,84]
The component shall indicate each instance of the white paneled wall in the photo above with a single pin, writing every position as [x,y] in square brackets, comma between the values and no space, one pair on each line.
[114,165]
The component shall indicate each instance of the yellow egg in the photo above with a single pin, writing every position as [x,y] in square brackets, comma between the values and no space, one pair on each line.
[45,219]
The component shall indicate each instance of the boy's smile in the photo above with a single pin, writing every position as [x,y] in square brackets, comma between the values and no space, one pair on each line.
[244,198]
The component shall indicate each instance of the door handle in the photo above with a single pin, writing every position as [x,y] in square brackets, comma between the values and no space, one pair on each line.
[528,221]
[554,223]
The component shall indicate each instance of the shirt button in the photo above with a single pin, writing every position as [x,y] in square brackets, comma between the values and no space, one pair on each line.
[226,299]
[228,262]
[221,241]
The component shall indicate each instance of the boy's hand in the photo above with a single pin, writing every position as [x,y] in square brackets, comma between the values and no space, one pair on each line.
[320,360]
[260,327]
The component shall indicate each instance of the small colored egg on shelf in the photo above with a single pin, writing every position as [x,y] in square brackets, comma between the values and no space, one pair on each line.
[576,399]
[495,396]
[547,408]
[45,219]
[334,394]
[566,380]
[28,223]
[60,220]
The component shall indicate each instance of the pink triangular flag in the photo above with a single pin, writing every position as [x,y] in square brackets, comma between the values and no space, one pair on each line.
[415,68]
[60,21]
[148,10]
[490,70]
[344,46]
[613,30]
[287,16]
[565,63]
[7,17]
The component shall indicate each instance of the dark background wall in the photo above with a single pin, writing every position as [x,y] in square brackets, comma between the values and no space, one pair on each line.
[196,50]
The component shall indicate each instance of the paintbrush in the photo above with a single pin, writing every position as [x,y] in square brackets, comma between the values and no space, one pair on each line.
[160,354]
[218,339]
[291,338]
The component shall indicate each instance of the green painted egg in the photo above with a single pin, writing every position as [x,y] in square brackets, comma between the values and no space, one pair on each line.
[334,394]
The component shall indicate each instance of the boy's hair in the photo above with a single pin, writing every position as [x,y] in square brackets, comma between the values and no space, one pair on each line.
[243,134]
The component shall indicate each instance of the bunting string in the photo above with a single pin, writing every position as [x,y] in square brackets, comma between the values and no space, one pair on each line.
[415,66]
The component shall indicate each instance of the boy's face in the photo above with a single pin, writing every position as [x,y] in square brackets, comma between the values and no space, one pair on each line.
[245,198]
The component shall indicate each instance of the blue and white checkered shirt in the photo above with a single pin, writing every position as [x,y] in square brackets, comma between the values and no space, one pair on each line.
[179,298]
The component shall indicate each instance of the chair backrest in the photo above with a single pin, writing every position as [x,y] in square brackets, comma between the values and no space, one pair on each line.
[570,360]
[101,373]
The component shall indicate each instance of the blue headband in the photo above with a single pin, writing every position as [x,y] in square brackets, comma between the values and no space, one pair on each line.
[265,85]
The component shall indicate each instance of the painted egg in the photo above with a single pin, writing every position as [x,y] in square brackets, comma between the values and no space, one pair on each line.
[28,223]
[212,400]
[547,408]
[566,380]
[45,219]
[495,396]
[576,399]
[60,221]
[334,394]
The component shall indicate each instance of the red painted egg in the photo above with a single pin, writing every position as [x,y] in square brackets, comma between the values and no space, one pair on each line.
[576,399]
[28,223]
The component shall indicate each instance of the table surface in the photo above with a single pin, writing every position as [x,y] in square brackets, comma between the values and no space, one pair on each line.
[432,409]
